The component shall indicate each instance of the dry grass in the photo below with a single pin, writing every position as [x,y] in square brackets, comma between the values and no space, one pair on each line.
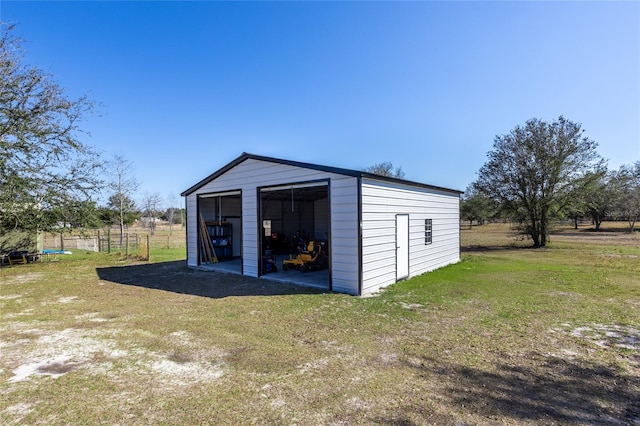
[510,335]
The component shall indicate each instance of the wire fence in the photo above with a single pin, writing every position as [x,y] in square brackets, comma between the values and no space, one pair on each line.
[108,240]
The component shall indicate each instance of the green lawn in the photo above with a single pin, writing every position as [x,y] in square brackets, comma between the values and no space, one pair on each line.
[510,335]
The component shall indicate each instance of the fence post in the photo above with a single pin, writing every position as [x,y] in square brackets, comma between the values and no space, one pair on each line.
[148,248]
[99,243]
[168,242]
[109,240]
[126,249]
[62,241]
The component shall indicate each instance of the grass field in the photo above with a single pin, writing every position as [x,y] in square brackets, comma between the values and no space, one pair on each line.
[510,335]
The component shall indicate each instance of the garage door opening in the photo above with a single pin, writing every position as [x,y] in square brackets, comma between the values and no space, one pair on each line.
[294,224]
[220,218]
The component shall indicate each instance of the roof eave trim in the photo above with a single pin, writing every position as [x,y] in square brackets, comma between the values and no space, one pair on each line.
[336,170]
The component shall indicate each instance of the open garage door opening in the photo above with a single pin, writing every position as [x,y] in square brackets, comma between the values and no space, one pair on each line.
[220,231]
[295,229]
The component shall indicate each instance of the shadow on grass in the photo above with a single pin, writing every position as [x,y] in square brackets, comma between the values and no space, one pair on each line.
[589,232]
[553,391]
[177,278]
[607,230]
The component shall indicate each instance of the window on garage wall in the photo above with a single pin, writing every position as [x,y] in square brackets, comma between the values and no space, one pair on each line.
[428,231]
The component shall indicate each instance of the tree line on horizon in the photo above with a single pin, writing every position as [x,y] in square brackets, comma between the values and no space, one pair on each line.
[536,173]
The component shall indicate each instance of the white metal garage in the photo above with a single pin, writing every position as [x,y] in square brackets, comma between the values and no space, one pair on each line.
[369,231]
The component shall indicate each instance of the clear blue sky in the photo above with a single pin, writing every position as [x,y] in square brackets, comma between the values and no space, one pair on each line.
[187,87]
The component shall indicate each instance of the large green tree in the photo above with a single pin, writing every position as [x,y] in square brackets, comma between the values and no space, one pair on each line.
[533,170]
[44,166]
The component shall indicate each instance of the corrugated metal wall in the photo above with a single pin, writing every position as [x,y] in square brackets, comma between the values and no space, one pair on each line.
[251,174]
[345,269]
[381,201]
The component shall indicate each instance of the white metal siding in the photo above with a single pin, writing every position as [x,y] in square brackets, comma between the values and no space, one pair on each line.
[192,236]
[249,231]
[381,201]
[251,174]
[344,234]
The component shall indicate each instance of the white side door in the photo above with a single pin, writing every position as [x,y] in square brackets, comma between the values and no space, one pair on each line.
[402,246]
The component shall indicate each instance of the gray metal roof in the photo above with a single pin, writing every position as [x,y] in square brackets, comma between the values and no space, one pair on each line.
[336,170]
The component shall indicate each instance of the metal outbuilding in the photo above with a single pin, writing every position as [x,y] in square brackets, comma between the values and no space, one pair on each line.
[369,231]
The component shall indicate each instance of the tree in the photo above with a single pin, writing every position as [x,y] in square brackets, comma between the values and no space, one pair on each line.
[151,203]
[575,212]
[593,196]
[576,207]
[598,197]
[533,170]
[44,167]
[123,185]
[475,206]
[121,210]
[107,215]
[170,213]
[81,214]
[385,169]
[626,202]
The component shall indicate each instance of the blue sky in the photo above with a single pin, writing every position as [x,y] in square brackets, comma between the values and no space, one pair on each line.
[186,87]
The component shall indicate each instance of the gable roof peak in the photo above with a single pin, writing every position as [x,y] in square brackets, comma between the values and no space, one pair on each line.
[336,170]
